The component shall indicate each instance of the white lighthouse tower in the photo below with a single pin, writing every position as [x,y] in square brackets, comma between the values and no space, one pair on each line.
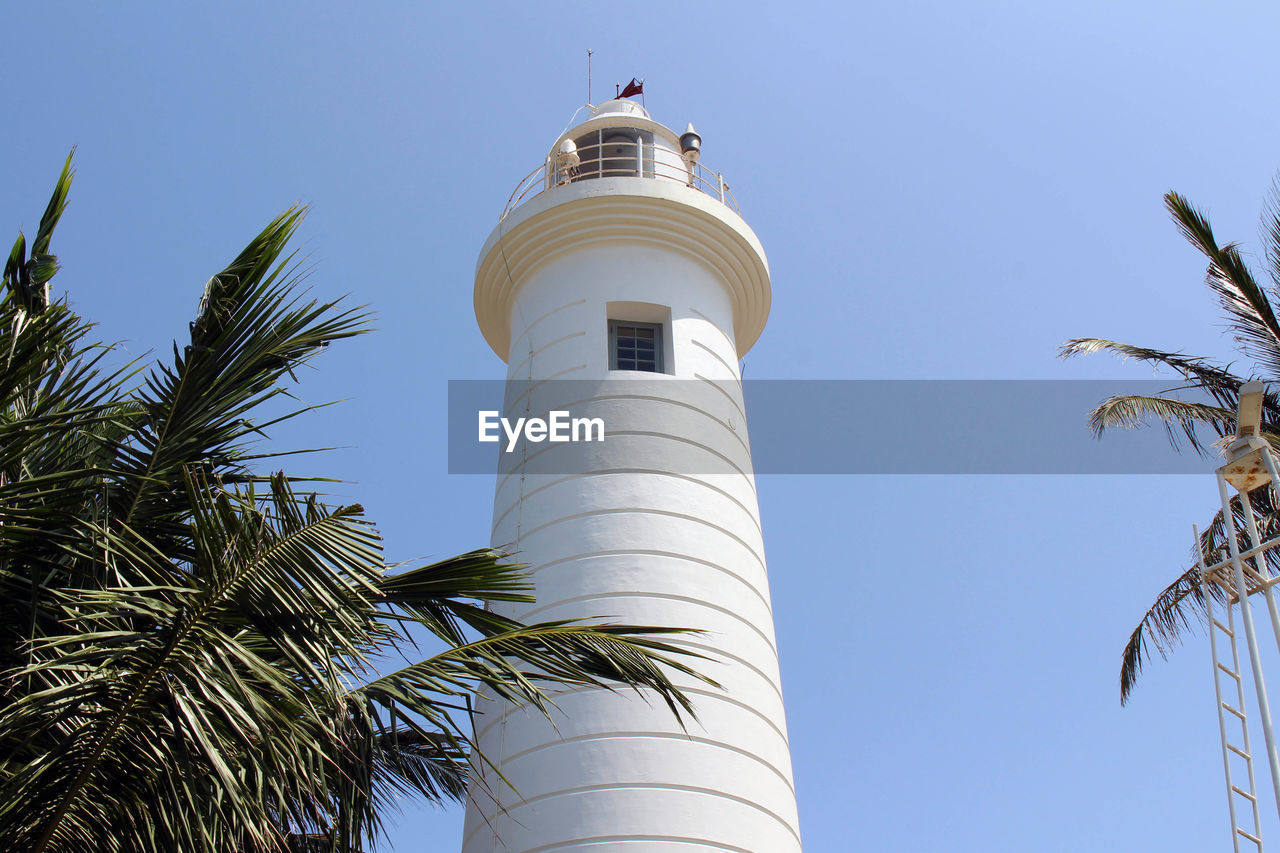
[622,284]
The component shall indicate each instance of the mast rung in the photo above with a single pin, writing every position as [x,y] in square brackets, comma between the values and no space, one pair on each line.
[1240,752]
[1227,707]
[1244,794]
[1224,628]
[1230,672]
[1255,839]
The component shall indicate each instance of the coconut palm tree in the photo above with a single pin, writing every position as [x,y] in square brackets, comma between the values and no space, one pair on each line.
[1248,306]
[192,649]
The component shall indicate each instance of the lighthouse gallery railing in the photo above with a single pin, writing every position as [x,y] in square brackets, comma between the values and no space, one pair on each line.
[620,159]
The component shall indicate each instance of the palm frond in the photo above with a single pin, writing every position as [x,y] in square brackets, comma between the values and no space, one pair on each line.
[251,331]
[1219,384]
[1223,385]
[1252,317]
[149,651]
[1181,605]
[514,665]
[1175,610]
[25,279]
[54,210]
[1247,305]
[188,644]
[446,596]
[1270,232]
[1181,419]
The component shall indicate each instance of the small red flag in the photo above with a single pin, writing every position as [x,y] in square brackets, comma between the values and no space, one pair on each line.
[635,87]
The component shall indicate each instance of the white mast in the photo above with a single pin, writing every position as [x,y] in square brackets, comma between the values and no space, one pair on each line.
[1250,465]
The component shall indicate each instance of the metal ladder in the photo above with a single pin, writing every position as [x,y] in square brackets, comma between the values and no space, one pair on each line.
[1237,714]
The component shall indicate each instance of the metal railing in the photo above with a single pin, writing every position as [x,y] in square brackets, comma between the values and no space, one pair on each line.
[617,160]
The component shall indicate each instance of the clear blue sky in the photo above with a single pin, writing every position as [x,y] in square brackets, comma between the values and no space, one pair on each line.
[945,190]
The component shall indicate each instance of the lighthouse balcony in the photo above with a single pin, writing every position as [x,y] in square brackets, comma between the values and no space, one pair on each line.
[603,156]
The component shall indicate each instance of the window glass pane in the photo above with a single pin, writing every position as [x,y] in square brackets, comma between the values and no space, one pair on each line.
[636,347]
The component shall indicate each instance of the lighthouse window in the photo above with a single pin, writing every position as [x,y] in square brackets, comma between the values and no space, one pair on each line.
[608,153]
[635,346]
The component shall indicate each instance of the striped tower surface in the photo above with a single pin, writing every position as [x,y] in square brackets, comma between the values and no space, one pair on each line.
[626,247]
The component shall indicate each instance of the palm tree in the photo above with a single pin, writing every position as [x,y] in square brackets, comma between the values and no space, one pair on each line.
[190,647]
[1251,317]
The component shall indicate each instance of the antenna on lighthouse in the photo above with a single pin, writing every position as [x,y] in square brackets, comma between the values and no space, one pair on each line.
[589,52]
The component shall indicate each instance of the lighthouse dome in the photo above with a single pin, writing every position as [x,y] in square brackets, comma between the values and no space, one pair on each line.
[625,106]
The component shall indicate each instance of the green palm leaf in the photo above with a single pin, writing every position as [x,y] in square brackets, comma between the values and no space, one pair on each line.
[1182,419]
[1246,304]
[191,646]
[1250,313]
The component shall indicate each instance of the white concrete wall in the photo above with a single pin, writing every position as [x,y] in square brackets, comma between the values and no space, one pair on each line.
[636,537]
